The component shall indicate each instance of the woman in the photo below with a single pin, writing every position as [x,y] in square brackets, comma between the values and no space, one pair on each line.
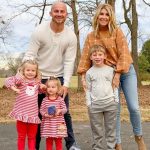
[106,33]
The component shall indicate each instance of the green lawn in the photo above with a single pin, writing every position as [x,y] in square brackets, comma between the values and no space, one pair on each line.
[2,82]
[73,83]
[145,82]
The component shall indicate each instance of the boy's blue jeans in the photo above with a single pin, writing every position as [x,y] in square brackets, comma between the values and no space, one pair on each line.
[128,84]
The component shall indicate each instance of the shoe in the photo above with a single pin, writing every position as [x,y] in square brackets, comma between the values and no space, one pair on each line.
[74,147]
[118,147]
[140,142]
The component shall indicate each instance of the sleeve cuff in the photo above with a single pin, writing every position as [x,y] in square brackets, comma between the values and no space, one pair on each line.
[66,84]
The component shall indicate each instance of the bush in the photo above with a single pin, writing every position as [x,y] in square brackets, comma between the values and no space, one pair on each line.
[143,64]
[144,76]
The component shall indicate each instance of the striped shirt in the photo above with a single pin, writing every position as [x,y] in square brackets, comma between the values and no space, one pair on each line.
[118,54]
[56,126]
[26,106]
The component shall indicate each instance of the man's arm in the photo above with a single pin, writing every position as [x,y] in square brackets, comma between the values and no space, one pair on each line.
[69,60]
[33,48]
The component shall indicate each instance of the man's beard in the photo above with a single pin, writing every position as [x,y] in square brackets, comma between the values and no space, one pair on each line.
[58,22]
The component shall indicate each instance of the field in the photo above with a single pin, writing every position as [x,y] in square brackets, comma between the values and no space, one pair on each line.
[1,82]
[78,108]
[77,104]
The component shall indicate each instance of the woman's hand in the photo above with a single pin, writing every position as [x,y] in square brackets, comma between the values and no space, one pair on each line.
[83,82]
[116,80]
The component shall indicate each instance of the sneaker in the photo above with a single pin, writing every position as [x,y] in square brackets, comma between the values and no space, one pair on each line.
[74,147]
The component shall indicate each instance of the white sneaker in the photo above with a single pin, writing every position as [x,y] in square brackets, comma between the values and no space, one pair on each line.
[74,147]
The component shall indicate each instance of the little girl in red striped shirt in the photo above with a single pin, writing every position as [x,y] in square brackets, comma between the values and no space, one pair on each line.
[26,83]
[53,108]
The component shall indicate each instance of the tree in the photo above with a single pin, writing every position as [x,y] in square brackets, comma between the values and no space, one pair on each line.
[146,3]
[144,65]
[112,3]
[134,35]
[144,61]
[13,65]
[80,17]
[5,29]
[13,62]
[146,50]
[131,19]
[76,30]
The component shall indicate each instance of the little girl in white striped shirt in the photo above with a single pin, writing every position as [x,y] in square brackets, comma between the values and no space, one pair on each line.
[26,83]
[53,108]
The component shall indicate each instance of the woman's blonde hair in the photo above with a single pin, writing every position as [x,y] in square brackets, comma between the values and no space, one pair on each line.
[32,62]
[112,25]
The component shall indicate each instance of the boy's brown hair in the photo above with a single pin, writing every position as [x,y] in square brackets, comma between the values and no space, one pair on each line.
[95,48]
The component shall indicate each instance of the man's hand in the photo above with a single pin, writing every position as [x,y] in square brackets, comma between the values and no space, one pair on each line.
[63,91]
[116,80]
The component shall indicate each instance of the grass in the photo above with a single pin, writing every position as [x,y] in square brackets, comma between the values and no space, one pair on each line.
[145,82]
[2,82]
[81,114]
[73,82]
[78,107]
[144,76]
[145,111]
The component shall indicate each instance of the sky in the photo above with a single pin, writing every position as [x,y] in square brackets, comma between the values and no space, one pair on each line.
[23,26]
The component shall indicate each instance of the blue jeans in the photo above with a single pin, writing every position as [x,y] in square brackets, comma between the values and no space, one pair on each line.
[70,140]
[128,84]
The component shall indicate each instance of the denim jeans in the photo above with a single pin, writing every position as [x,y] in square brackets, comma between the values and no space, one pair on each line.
[70,140]
[128,84]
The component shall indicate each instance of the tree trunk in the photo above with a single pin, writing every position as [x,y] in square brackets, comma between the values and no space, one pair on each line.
[134,36]
[133,26]
[76,30]
[112,3]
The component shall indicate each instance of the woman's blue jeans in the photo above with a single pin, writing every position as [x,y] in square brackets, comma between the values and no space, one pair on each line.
[128,84]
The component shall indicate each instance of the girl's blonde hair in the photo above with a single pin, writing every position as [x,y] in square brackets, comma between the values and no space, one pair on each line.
[112,25]
[32,62]
[55,79]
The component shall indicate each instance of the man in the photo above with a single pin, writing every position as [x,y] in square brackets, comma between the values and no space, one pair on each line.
[54,47]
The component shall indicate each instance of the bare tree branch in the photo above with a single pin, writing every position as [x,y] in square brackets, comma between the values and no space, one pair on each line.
[146,3]
[43,11]
[126,11]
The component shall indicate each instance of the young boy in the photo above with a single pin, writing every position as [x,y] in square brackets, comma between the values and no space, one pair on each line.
[100,99]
